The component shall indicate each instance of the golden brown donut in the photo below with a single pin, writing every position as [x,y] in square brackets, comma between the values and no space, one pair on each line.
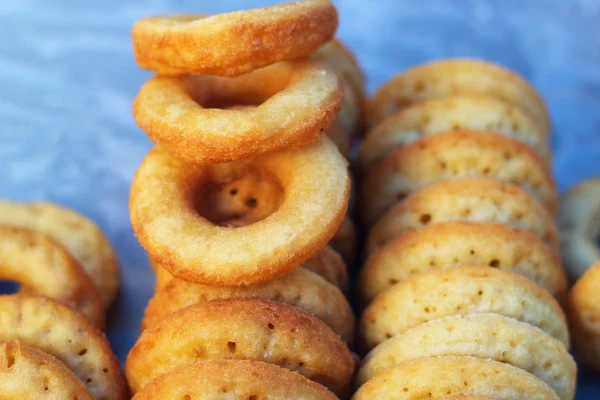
[233,43]
[454,155]
[253,329]
[293,103]
[456,76]
[164,201]
[226,379]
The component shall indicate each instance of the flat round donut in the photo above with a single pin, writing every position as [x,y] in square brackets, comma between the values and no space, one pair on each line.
[226,379]
[438,377]
[42,266]
[578,220]
[459,291]
[455,155]
[79,235]
[457,243]
[345,241]
[164,200]
[192,115]
[29,373]
[467,199]
[339,57]
[300,288]
[234,43]
[584,315]
[253,329]
[456,76]
[488,336]
[452,113]
[66,334]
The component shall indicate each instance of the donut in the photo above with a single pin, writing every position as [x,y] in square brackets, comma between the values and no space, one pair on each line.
[457,243]
[439,377]
[337,134]
[345,241]
[167,193]
[578,220]
[467,199]
[28,373]
[488,336]
[300,288]
[456,76]
[452,113]
[239,379]
[350,115]
[459,291]
[67,335]
[234,43]
[43,267]
[79,235]
[455,155]
[252,329]
[191,115]
[584,315]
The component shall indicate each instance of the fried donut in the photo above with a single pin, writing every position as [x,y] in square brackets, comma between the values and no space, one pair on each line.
[453,244]
[76,233]
[164,201]
[300,288]
[239,379]
[253,329]
[584,315]
[455,155]
[578,220]
[437,377]
[44,267]
[234,43]
[29,373]
[459,112]
[456,76]
[472,200]
[191,116]
[345,241]
[459,291]
[67,335]
[488,336]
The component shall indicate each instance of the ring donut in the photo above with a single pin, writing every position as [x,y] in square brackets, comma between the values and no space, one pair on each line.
[455,155]
[459,112]
[67,335]
[234,43]
[240,379]
[164,201]
[252,329]
[471,200]
[456,76]
[300,288]
[29,373]
[79,235]
[43,267]
[578,220]
[453,244]
[487,336]
[459,291]
[191,116]
[440,377]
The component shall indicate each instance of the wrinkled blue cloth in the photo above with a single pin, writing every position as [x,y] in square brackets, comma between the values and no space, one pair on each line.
[67,80]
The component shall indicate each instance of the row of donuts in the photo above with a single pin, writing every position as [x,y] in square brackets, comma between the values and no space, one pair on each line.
[462,284]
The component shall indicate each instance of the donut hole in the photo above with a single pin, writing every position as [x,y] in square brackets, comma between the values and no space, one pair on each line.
[238,197]
[9,287]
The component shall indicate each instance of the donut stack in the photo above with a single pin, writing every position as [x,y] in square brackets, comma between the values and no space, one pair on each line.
[51,344]
[460,284]
[236,204]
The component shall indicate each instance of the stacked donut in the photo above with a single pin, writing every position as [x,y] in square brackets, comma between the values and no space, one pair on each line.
[236,204]
[462,277]
[51,344]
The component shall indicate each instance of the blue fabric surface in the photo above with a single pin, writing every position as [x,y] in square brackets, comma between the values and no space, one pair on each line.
[67,80]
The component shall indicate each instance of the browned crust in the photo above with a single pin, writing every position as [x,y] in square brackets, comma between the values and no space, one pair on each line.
[234,43]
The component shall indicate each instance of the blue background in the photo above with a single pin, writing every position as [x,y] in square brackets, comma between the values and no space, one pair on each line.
[67,80]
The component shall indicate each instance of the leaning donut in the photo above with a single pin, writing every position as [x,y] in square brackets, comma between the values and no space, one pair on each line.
[191,116]
[165,197]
